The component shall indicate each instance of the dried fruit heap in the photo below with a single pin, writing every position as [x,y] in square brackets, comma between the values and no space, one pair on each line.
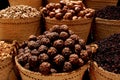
[57,50]
[68,11]
[109,12]
[108,53]
[4,50]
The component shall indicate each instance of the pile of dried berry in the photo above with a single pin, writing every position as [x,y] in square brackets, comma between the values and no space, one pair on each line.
[109,12]
[5,50]
[108,53]
[18,12]
[57,50]
[68,11]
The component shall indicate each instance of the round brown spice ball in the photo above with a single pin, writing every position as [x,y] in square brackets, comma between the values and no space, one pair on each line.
[78,48]
[33,62]
[35,52]
[58,43]
[74,59]
[69,43]
[84,55]
[59,60]
[32,37]
[44,68]
[59,16]
[33,45]
[45,41]
[64,35]
[42,49]
[52,51]
[67,67]
[43,57]
[66,52]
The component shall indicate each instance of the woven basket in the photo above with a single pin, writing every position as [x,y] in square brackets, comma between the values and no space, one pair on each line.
[29,75]
[104,28]
[53,1]
[19,29]
[34,3]
[99,4]
[98,73]
[81,27]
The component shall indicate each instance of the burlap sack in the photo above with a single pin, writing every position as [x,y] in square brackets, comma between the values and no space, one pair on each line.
[98,73]
[34,3]
[104,28]
[99,4]
[29,75]
[81,27]
[19,29]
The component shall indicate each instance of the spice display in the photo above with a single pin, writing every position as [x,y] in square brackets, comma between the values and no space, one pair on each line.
[55,51]
[4,50]
[108,53]
[68,11]
[109,12]
[19,12]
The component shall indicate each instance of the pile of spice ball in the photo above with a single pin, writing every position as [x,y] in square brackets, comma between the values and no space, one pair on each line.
[55,51]
[109,12]
[108,53]
[68,11]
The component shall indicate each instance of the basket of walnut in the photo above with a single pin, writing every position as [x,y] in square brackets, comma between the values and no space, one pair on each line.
[73,13]
[18,22]
[106,60]
[6,62]
[33,3]
[58,54]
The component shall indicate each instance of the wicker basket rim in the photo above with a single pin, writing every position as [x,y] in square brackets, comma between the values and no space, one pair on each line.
[100,68]
[19,21]
[102,19]
[53,74]
[68,20]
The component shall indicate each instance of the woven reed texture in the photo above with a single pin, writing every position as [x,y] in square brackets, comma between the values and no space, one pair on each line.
[81,27]
[34,3]
[53,1]
[104,28]
[29,75]
[99,4]
[19,29]
[98,73]
[6,69]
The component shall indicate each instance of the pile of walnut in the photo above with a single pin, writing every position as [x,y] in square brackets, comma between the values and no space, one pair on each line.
[5,50]
[68,11]
[19,12]
[57,50]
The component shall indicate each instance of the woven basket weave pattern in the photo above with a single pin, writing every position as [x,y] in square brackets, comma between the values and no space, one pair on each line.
[104,28]
[19,29]
[99,4]
[33,3]
[6,69]
[98,73]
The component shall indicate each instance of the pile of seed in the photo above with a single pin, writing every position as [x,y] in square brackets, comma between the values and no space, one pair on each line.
[18,12]
[57,50]
[108,53]
[4,50]
[109,12]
